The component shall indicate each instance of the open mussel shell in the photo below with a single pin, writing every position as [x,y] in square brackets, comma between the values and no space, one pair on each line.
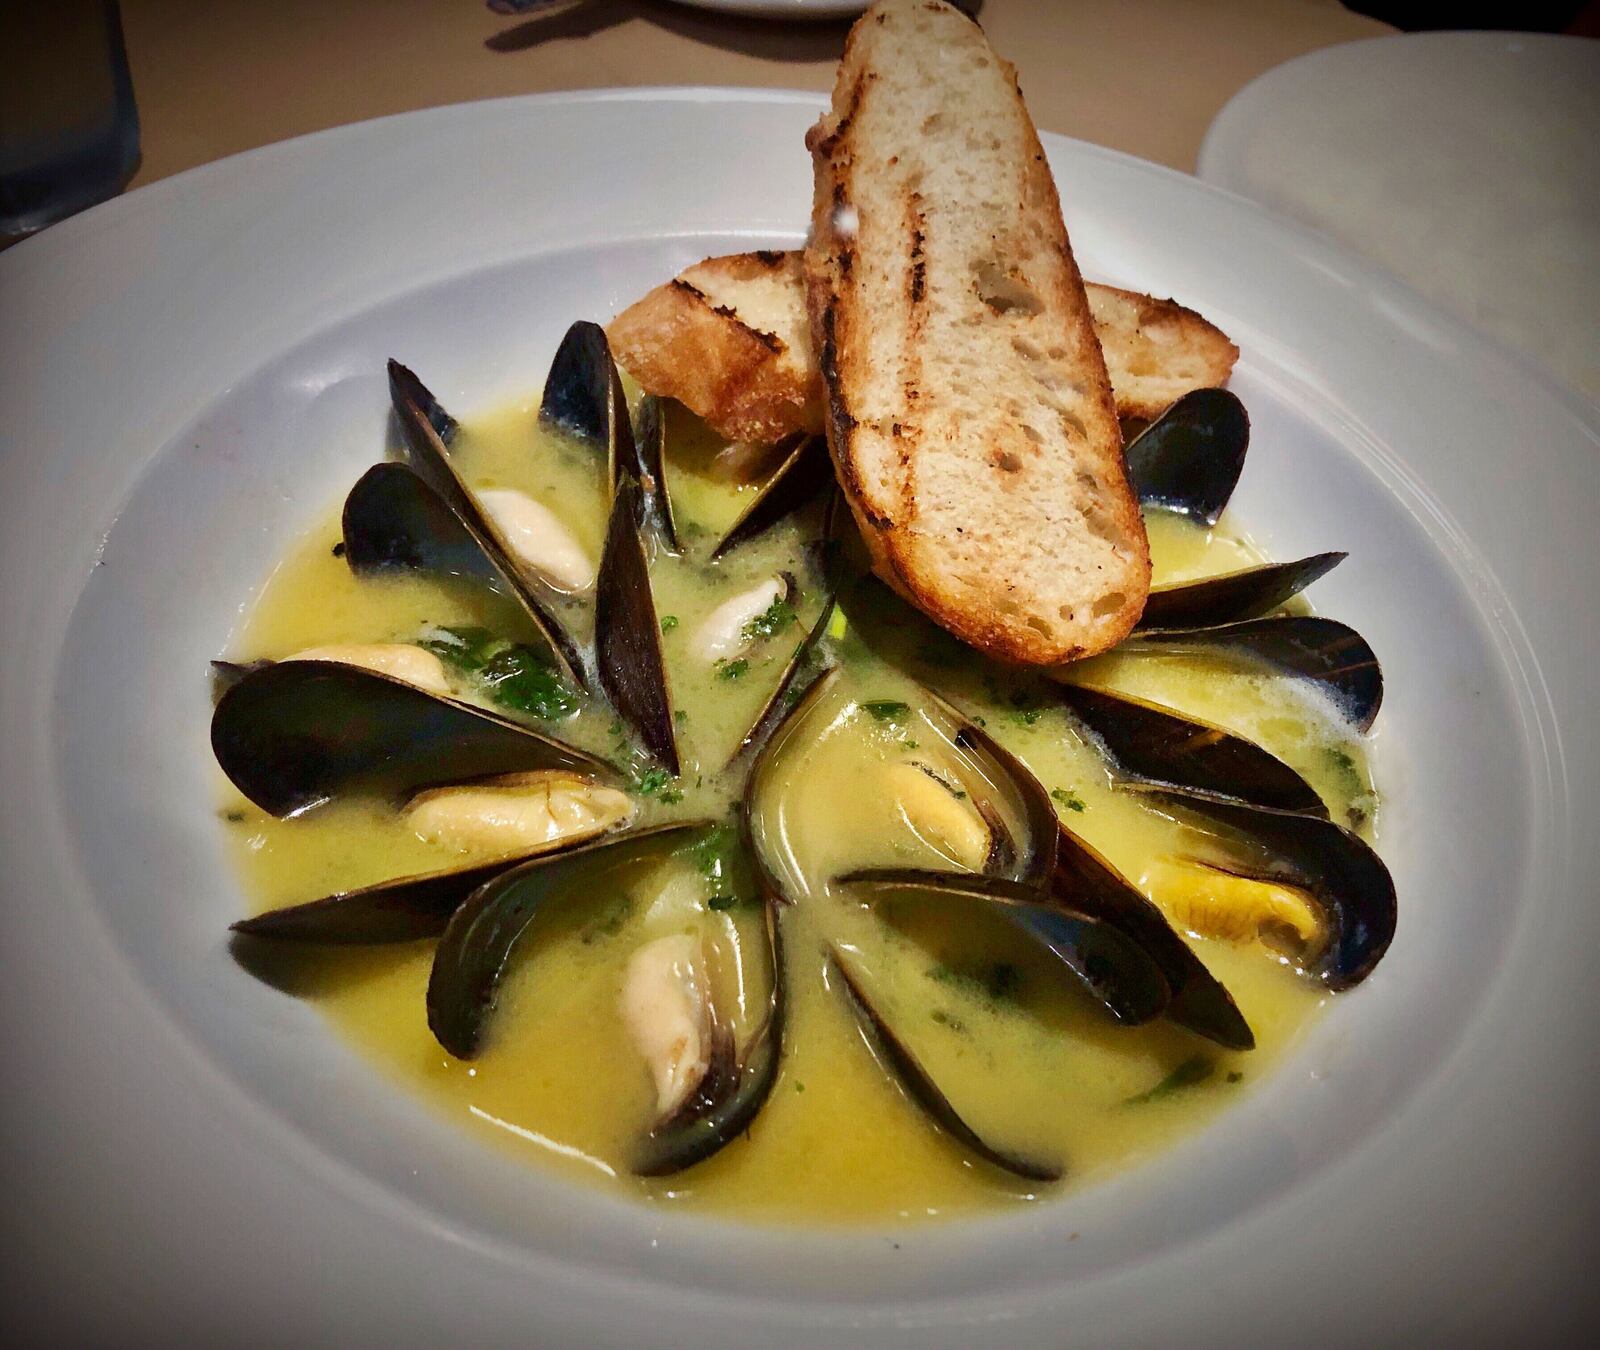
[803,669]
[1162,747]
[901,1064]
[405,910]
[1190,458]
[1032,856]
[1086,883]
[1339,871]
[627,634]
[583,395]
[477,942]
[1324,652]
[649,466]
[430,457]
[802,473]
[395,522]
[1235,596]
[293,734]
[730,1096]
[1115,971]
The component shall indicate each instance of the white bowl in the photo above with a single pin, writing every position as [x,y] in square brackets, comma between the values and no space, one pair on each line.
[191,374]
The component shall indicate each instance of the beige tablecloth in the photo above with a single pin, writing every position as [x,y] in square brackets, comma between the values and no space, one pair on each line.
[213,78]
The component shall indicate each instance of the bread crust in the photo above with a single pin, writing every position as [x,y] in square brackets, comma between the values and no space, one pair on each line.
[684,343]
[1001,609]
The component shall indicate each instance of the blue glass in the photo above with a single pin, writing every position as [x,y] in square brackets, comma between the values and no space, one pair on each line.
[69,130]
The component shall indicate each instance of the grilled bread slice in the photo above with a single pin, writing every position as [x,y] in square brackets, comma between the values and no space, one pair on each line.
[728,338]
[968,410]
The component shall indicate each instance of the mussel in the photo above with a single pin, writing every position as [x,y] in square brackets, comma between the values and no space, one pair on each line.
[1114,970]
[1189,459]
[805,666]
[516,812]
[406,909]
[627,634]
[1246,594]
[506,820]
[420,419]
[293,734]
[1085,883]
[1160,746]
[900,1062]
[403,661]
[1324,652]
[1335,868]
[670,1011]
[733,625]
[736,1082]
[803,472]
[476,944]
[584,398]
[395,522]
[728,1100]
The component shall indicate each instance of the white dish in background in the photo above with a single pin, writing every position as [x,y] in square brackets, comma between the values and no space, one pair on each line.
[1466,163]
[194,372]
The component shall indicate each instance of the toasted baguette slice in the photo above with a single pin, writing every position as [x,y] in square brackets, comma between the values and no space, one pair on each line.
[728,338]
[969,413]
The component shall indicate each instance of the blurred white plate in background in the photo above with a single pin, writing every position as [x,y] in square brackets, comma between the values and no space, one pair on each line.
[1466,163]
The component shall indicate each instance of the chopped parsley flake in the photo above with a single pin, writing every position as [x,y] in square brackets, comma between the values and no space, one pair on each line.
[886,709]
[732,670]
[770,622]
[1191,1073]
[668,622]
[1069,799]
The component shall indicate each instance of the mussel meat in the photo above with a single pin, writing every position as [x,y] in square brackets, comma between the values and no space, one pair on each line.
[668,1008]
[538,539]
[1206,899]
[1340,874]
[732,626]
[476,945]
[517,812]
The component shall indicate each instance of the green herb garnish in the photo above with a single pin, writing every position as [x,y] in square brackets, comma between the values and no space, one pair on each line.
[651,781]
[1191,1073]
[732,670]
[513,675]
[609,922]
[719,856]
[771,621]
[668,622]
[1069,799]
[999,983]
[887,709]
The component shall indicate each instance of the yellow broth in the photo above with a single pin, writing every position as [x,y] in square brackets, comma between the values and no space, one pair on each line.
[1029,1061]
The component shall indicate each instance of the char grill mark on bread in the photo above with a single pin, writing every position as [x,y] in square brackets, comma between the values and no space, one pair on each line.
[689,340]
[968,410]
